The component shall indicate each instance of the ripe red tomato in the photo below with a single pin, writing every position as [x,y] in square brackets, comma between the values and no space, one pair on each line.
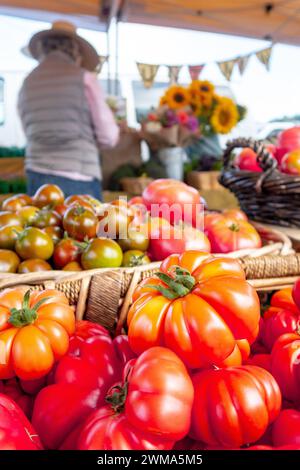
[163,194]
[290,163]
[34,243]
[151,411]
[65,252]
[285,365]
[80,223]
[201,316]
[16,432]
[227,235]
[233,406]
[82,378]
[260,360]
[296,293]
[288,140]
[286,429]
[55,233]
[281,322]
[13,389]
[247,160]
[168,240]
[48,195]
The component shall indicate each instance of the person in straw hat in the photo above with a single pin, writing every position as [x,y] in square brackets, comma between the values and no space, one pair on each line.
[64,114]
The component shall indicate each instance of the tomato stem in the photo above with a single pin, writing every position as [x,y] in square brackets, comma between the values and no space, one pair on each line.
[117,397]
[179,283]
[234,227]
[26,315]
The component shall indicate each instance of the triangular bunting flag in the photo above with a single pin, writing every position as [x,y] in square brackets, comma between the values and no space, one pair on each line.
[195,71]
[148,73]
[264,57]
[243,62]
[174,71]
[227,68]
[102,59]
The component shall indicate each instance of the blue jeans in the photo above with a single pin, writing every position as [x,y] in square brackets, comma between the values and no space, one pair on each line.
[69,187]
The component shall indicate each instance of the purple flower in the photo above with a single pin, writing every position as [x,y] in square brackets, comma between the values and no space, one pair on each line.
[192,124]
[170,118]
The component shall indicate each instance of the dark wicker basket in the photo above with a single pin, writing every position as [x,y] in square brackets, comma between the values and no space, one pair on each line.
[270,196]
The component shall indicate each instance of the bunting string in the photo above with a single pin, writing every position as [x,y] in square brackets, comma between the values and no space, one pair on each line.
[148,72]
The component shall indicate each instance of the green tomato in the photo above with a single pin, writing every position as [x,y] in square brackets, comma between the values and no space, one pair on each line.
[101,253]
[133,258]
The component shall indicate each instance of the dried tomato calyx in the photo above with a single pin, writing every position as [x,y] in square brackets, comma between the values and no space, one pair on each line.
[234,227]
[117,397]
[179,283]
[26,314]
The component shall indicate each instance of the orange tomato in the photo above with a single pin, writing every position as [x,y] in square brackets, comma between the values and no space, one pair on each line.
[200,307]
[34,331]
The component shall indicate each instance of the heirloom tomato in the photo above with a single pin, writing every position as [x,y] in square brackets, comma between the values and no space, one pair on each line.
[34,243]
[9,261]
[280,322]
[82,378]
[233,406]
[174,200]
[199,306]
[80,223]
[101,253]
[16,432]
[227,234]
[34,331]
[168,240]
[48,195]
[46,218]
[9,235]
[150,410]
[66,251]
[9,219]
[296,293]
[285,365]
[16,202]
[133,258]
[286,429]
[33,265]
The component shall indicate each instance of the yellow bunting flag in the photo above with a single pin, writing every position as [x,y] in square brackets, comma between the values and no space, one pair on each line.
[264,57]
[148,73]
[226,68]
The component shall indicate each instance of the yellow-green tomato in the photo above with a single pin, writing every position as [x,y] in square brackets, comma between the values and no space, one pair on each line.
[9,261]
[133,258]
[34,243]
[9,235]
[101,253]
[135,241]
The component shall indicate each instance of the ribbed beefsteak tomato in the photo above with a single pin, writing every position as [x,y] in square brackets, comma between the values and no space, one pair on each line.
[285,365]
[16,432]
[151,410]
[286,429]
[233,406]
[82,378]
[199,306]
[34,331]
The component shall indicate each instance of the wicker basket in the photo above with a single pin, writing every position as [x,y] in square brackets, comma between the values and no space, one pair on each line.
[135,186]
[104,296]
[204,180]
[270,196]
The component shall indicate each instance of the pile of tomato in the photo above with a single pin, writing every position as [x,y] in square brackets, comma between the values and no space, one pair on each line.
[49,231]
[197,366]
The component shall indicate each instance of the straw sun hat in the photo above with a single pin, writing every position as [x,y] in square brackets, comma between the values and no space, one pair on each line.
[90,58]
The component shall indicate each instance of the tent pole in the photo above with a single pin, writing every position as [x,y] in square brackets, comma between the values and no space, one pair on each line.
[117,60]
[108,62]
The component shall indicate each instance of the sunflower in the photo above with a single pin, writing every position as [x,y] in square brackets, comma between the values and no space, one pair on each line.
[163,101]
[177,97]
[225,116]
[202,86]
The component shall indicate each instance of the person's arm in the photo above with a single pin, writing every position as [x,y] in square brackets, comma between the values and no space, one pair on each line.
[106,130]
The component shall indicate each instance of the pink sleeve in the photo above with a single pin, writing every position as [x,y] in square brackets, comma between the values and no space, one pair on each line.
[106,130]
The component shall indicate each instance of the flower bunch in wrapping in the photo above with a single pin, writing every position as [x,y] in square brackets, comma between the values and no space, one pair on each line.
[188,112]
